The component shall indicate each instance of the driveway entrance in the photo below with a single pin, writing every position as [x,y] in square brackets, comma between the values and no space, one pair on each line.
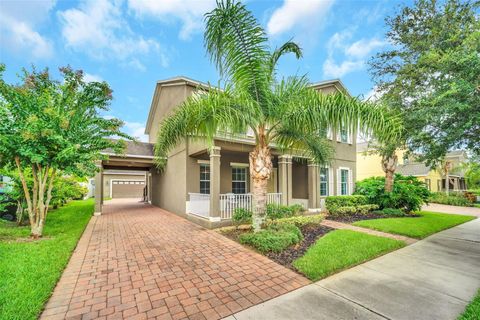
[139,261]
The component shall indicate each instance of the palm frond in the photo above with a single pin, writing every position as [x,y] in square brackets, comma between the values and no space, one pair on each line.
[304,144]
[287,47]
[203,115]
[237,44]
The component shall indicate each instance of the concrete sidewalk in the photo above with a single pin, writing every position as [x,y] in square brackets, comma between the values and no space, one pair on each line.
[432,279]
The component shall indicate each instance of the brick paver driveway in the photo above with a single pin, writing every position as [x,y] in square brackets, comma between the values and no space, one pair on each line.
[138,261]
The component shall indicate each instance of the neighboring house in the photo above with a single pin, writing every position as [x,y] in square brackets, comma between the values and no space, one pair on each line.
[3,183]
[207,182]
[369,165]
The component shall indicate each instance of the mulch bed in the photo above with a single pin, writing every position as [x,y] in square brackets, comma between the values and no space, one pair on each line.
[370,216]
[310,236]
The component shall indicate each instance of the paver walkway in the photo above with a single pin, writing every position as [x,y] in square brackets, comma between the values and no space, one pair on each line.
[435,207]
[137,261]
[434,278]
[341,225]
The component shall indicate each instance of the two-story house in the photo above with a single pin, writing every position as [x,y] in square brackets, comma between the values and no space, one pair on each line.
[206,182]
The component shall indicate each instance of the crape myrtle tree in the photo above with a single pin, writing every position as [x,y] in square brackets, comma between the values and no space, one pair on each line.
[284,112]
[50,127]
[431,73]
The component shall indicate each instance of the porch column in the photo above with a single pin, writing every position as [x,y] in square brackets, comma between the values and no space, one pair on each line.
[285,178]
[98,189]
[215,183]
[313,191]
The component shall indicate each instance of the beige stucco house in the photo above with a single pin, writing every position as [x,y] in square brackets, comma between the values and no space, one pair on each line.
[205,182]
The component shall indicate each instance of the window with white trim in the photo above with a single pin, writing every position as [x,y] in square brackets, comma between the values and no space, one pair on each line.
[204,178]
[239,180]
[344,181]
[324,183]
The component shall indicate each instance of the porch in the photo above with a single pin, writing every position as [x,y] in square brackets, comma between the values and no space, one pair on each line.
[218,182]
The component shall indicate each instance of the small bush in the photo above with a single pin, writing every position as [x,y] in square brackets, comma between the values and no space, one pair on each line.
[242,216]
[390,212]
[275,211]
[366,208]
[333,203]
[344,211]
[299,221]
[452,199]
[275,238]
[409,194]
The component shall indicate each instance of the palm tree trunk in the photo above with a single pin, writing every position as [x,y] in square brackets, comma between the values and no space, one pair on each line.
[389,165]
[260,170]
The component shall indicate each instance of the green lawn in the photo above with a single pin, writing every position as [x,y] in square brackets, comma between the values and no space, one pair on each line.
[472,311]
[420,227]
[29,270]
[340,249]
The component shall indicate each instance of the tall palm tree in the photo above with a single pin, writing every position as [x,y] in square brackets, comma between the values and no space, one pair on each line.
[286,113]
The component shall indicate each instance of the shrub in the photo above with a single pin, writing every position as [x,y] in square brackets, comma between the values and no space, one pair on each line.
[298,221]
[390,212]
[347,210]
[333,203]
[366,208]
[242,216]
[453,199]
[275,238]
[275,211]
[408,194]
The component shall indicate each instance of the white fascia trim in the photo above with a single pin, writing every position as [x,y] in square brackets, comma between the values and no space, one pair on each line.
[128,155]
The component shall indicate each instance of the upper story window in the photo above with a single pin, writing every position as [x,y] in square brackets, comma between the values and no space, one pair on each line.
[204,178]
[239,180]
[324,181]
[344,135]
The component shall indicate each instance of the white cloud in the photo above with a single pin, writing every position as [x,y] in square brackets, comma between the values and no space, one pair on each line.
[99,29]
[332,69]
[189,13]
[136,130]
[373,95]
[362,48]
[292,13]
[88,77]
[354,53]
[18,27]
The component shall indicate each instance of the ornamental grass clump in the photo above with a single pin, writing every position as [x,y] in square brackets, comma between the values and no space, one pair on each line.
[275,238]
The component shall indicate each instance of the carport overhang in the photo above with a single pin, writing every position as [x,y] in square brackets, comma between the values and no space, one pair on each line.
[136,162]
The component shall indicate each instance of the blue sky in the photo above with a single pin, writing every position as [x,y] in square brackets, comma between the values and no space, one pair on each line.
[133,43]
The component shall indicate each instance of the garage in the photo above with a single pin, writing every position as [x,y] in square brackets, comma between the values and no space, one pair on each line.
[127,188]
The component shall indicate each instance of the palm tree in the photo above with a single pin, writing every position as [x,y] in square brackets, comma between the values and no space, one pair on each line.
[286,113]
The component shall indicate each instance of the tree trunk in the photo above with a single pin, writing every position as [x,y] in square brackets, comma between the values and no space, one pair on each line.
[260,170]
[389,165]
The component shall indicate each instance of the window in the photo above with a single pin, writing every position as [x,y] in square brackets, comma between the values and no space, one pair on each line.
[343,135]
[239,180]
[428,182]
[205,179]
[344,182]
[324,182]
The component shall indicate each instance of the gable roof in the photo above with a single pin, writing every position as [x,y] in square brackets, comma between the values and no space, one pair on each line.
[134,149]
[413,169]
[182,80]
[175,81]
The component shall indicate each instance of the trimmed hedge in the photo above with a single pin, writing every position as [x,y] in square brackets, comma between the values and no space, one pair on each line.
[347,203]
[275,211]
[275,238]
[453,199]
[299,221]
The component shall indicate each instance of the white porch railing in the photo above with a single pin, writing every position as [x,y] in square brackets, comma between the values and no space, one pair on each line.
[199,204]
[230,201]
